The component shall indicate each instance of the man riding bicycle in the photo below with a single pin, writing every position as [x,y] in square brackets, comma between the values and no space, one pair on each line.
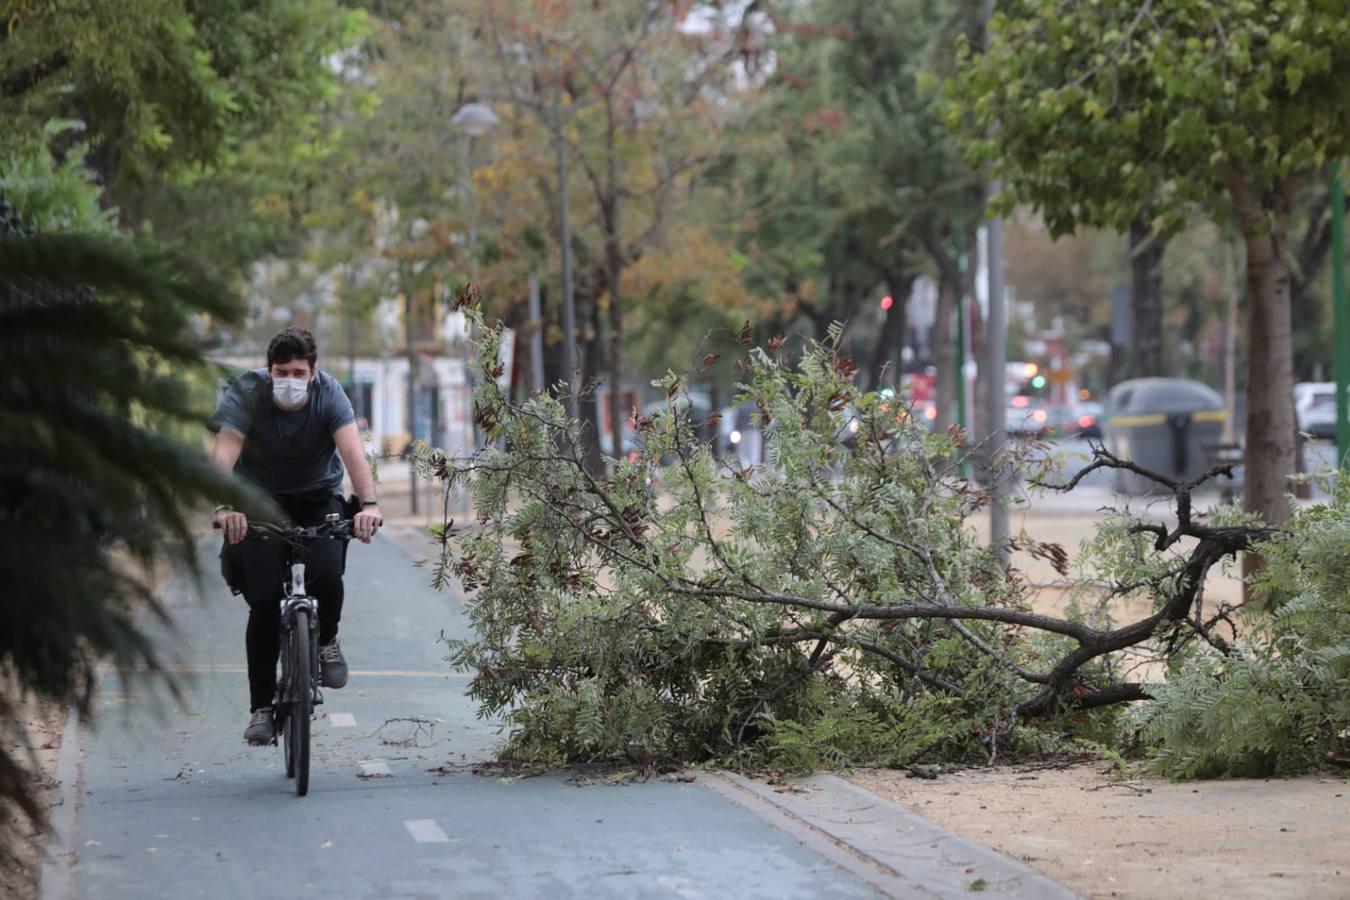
[283,429]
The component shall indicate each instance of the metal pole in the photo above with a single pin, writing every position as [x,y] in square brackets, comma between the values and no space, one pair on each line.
[471,191]
[994,368]
[995,361]
[536,337]
[412,395]
[357,403]
[1341,314]
[961,357]
[565,227]
[1230,348]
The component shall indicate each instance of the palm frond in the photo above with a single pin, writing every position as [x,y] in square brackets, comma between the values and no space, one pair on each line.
[97,354]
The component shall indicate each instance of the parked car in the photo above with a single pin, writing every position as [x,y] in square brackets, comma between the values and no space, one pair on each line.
[741,435]
[1315,408]
[1088,419]
[1025,416]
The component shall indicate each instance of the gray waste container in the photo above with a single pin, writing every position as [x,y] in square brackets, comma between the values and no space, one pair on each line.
[1163,424]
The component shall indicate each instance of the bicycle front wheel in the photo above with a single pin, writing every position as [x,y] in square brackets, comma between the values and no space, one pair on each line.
[286,746]
[283,706]
[302,701]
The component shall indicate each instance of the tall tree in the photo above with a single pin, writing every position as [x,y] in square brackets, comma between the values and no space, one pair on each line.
[1309,299]
[855,186]
[635,93]
[941,197]
[162,87]
[1146,298]
[1096,109]
[203,122]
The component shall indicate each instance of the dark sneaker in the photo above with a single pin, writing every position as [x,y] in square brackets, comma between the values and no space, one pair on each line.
[259,730]
[332,665]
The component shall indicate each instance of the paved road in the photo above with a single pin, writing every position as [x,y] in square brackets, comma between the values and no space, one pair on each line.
[173,804]
[1071,455]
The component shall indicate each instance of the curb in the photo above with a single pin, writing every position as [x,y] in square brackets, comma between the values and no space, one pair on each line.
[56,879]
[898,852]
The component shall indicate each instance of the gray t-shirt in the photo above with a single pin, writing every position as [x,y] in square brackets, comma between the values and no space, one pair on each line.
[286,452]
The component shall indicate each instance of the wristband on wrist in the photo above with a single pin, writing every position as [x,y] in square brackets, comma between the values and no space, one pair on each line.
[365,503]
[224,507]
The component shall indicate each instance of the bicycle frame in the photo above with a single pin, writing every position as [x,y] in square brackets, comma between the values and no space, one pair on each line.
[295,602]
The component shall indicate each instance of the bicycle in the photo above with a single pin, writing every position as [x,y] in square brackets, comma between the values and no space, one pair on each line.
[298,687]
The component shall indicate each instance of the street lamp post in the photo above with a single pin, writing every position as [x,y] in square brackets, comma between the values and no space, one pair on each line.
[994,364]
[565,227]
[473,120]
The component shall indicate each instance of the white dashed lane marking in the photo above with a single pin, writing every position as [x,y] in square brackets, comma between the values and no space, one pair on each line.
[375,768]
[426,831]
[342,720]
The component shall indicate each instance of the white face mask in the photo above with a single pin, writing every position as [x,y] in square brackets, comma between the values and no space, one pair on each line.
[290,393]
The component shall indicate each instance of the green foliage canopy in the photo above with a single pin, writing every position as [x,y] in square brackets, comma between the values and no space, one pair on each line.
[1088,111]
[163,86]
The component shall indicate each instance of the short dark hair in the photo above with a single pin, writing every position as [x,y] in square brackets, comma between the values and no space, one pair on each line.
[292,343]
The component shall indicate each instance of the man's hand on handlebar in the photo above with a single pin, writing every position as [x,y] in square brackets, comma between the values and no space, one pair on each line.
[233,524]
[366,523]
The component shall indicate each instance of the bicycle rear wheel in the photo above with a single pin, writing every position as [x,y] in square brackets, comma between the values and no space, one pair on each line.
[302,700]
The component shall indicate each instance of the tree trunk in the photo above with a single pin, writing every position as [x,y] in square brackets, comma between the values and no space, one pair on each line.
[1270,450]
[614,261]
[944,350]
[1146,302]
[614,265]
[588,406]
[1310,336]
[890,342]
[555,365]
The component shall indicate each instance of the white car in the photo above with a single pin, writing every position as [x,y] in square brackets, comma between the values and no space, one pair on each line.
[1315,408]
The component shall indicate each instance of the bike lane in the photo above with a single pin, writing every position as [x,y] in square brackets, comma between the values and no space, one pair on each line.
[173,804]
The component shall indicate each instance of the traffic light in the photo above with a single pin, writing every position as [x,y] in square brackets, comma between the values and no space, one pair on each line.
[1038,382]
[887,302]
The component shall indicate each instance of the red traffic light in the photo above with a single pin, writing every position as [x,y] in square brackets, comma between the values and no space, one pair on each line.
[887,302]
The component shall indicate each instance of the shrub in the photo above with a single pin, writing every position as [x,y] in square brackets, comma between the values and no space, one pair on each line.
[1277,702]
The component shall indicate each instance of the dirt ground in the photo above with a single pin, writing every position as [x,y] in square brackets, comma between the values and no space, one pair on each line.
[1147,839]
[44,732]
[1143,838]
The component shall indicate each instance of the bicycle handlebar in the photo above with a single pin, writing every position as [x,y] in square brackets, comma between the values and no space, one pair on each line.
[340,529]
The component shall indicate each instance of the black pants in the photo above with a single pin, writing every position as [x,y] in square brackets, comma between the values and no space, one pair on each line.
[263,566]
